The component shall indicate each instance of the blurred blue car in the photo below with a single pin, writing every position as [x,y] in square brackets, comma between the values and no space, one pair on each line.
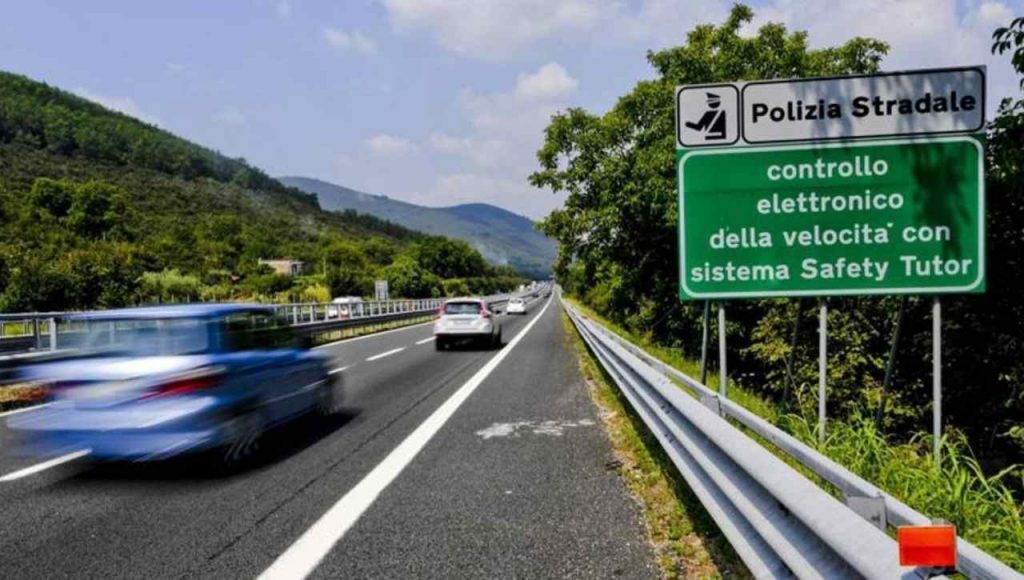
[151,383]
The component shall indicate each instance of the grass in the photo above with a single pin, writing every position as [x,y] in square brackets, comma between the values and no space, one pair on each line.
[983,507]
[686,541]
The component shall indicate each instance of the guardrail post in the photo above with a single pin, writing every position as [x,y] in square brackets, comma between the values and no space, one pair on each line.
[52,331]
[35,331]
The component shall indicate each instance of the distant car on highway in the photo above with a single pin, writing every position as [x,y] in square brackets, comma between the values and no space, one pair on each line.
[516,306]
[466,319]
[345,307]
[155,382]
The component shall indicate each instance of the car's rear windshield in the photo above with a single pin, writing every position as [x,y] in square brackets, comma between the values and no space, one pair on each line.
[462,308]
[139,337]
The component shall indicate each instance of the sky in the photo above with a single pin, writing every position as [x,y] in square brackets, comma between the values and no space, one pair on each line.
[436,102]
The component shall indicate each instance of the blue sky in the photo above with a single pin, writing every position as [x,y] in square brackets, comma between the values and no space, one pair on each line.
[436,102]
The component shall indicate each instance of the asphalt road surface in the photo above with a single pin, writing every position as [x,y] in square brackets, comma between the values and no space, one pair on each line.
[465,463]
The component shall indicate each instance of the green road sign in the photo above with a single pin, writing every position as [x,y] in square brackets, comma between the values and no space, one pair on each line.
[869,217]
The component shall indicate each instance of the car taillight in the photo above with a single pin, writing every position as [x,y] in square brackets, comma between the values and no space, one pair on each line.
[485,313]
[186,384]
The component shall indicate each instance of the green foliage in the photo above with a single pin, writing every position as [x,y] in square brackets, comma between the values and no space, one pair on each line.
[407,278]
[983,508]
[169,286]
[101,210]
[618,250]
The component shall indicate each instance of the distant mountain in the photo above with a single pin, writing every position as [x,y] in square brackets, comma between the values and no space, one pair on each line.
[501,236]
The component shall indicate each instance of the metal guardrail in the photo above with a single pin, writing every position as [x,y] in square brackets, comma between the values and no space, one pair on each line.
[42,331]
[779,522]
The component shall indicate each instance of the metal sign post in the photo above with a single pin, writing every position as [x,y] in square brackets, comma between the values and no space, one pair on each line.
[937,380]
[723,375]
[704,343]
[822,363]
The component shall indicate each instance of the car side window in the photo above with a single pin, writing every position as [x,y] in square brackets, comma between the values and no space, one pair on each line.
[237,332]
[271,333]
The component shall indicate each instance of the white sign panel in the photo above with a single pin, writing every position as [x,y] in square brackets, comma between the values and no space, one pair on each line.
[884,105]
[903,104]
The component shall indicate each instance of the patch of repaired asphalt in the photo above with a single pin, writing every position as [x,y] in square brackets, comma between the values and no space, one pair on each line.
[553,428]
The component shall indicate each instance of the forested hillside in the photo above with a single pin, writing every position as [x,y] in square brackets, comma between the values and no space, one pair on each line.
[618,252]
[500,235]
[98,209]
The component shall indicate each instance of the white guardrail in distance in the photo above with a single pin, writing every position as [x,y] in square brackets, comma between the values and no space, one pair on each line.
[779,522]
[37,332]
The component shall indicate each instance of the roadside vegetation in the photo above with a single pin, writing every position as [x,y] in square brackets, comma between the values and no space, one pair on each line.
[983,506]
[98,210]
[617,235]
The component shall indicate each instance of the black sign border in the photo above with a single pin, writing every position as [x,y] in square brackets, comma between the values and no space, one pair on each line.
[977,68]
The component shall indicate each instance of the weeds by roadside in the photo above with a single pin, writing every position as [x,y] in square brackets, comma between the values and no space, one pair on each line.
[983,508]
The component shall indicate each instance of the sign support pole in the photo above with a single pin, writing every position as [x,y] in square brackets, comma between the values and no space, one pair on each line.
[937,380]
[704,343]
[723,375]
[822,361]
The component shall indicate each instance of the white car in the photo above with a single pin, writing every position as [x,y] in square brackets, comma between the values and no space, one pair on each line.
[345,307]
[516,306]
[466,319]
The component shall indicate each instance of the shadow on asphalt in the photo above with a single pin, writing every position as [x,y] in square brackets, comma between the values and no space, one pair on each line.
[276,445]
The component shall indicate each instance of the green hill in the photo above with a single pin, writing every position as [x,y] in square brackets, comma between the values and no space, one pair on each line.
[99,209]
[501,236]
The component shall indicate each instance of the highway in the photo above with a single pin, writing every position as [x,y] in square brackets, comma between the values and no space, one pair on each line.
[463,463]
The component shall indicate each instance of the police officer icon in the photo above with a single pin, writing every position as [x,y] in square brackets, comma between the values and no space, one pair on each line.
[712,122]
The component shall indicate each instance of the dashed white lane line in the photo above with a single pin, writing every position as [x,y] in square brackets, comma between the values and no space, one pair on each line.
[425,340]
[23,410]
[31,470]
[337,370]
[371,335]
[302,557]
[384,354]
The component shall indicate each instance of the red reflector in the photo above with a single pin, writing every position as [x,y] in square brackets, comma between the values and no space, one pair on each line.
[927,546]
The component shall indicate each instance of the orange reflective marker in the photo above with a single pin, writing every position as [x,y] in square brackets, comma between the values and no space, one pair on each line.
[927,545]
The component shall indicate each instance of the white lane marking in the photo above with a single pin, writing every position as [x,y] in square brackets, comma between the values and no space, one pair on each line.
[337,370]
[385,353]
[44,465]
[302,557]
[372,335]
[426,340]
[24,409]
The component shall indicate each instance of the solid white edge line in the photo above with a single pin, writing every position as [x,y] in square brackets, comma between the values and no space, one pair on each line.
[23,410]
[426,340]
[302,557]
[384,354]
[33,469]
[371,335]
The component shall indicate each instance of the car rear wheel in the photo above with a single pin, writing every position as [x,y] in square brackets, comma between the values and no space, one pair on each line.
[245,432]
[327,398]
[440,344]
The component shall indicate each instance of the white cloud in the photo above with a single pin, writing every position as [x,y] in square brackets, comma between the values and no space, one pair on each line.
[229,116]
[551,81]
[389,145]
[126,105]
[492,28]
[354,40]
